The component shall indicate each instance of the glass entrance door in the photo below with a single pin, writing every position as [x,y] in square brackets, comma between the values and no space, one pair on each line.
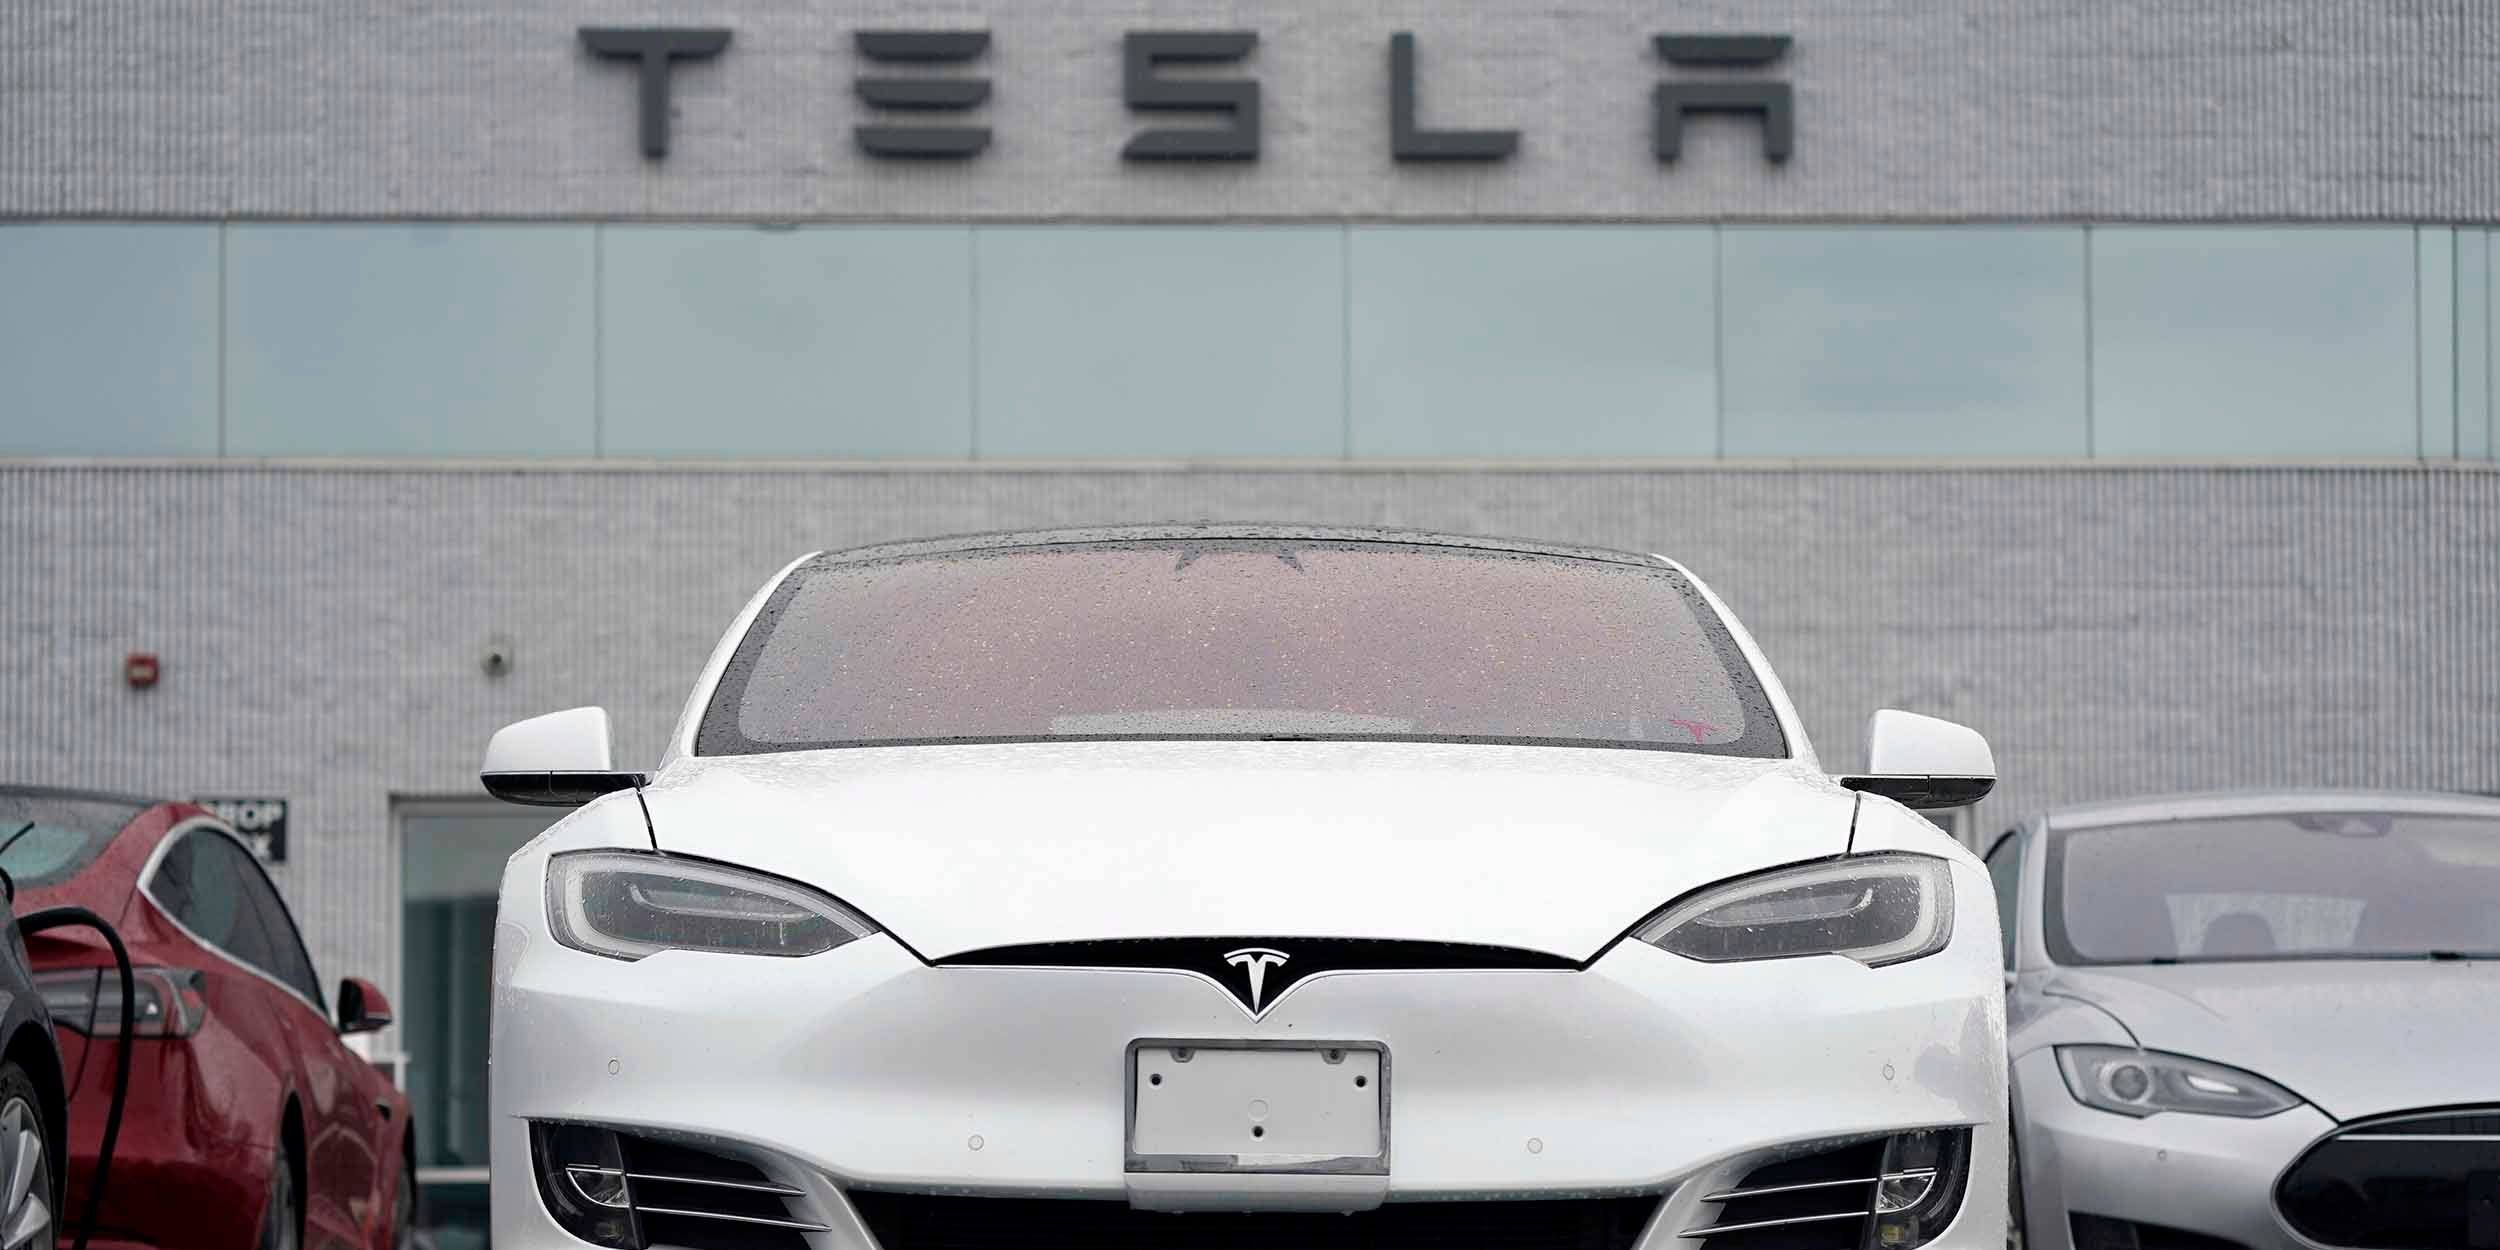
[451,860]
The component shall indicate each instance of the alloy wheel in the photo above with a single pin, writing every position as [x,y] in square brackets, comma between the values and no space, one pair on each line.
[405,1213]
[26,1171]
[279,1233]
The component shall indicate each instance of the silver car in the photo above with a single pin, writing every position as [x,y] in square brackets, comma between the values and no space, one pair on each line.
[2255,1021]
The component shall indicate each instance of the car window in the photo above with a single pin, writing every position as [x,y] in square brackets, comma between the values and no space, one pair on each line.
[288,961]
[191,884]
[209,883]
[1241,639]
[277,949]
[2297,885]
[48,839]
[2005,871]
[170,884]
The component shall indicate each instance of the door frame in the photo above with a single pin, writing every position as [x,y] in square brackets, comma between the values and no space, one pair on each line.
[402,806]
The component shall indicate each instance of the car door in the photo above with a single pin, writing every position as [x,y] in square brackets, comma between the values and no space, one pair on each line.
[338,1163]
[345,1148]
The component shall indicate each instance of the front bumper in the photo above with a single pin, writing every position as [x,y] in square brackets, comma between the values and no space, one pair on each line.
[2206,1174]
[866,1068]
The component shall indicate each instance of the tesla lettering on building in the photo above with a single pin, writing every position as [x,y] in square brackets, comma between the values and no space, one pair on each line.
[927,102]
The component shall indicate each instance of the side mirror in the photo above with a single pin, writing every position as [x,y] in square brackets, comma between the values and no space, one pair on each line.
[362,1007]
[556,760]
[1924,762]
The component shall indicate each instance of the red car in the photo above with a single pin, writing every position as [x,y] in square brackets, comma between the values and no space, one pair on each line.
[249,1122]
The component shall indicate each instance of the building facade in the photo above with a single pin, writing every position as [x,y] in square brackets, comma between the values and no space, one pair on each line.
[2117,378]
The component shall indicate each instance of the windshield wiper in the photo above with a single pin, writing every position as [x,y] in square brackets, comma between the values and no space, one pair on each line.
[21,832]
[2328,957]
[1189,556]
[2432,956]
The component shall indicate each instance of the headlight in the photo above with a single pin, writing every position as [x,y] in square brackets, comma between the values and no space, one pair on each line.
[2142,1082]
[625,905]
[1877,909]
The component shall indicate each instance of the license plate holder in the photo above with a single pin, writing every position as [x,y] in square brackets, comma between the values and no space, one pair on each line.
[1257,1106]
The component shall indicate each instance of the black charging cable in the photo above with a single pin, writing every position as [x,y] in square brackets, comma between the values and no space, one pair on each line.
[80,917]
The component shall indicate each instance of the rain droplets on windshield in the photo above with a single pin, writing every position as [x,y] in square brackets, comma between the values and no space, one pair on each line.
[1238,638]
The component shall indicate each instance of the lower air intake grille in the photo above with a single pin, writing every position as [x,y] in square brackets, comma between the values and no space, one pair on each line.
[921,1222]
[1813,1202]
[1899,1192]
[628,1192]
[2429,1178]
[703,1201]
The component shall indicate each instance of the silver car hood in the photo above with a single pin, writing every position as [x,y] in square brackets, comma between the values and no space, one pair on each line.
[961,848]
[2356,1038]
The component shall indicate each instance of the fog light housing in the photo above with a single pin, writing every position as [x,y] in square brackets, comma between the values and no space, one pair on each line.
[581,1179]
[1920,1187]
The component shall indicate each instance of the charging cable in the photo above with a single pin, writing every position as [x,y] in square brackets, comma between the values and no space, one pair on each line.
[80,917]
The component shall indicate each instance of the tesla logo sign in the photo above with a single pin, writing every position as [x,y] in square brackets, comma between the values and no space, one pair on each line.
[925,80]
[1254,961]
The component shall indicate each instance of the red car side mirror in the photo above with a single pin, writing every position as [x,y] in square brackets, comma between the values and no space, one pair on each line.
[362,1006]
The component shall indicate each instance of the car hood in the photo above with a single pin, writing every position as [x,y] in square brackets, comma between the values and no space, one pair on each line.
[962,848]
[2356,1038]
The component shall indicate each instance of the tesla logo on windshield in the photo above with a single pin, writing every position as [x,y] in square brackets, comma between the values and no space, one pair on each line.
[1254,961]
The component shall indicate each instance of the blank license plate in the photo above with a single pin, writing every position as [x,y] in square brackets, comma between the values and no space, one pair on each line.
[1196,1107]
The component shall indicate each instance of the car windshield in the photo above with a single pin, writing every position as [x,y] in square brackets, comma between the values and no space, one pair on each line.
[46,839]
[2306,885]
[1238,638]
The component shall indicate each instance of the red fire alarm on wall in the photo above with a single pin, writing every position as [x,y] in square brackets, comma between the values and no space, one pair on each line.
[139,669]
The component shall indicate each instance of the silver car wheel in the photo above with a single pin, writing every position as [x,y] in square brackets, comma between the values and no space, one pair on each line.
[26,1203]
[278,1231]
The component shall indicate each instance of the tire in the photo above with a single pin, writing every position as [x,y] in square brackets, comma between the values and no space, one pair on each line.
[30,1195]
[282,1218]
[2017,1235]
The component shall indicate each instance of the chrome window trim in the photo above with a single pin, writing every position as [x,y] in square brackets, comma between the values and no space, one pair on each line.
[147,880]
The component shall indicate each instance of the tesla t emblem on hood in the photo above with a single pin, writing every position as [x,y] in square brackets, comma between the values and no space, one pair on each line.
[1254,961]
[1254,975]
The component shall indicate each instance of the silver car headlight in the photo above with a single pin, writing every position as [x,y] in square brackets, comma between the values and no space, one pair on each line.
[2141,1082]
[629,904]
[1878,909]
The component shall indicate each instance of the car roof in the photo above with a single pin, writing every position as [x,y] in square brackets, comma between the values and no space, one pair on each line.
[2211,804]
[1218,531]
[69,792]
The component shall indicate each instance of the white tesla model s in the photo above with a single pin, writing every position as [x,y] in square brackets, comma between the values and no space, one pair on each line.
[1243,888]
